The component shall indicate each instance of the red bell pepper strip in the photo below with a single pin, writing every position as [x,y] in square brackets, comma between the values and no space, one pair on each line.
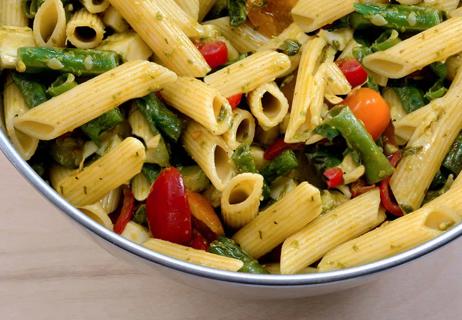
[168,212]
[334,177]
[385,192]
[126,212]
[198,241]
[215,53]
[353,71]
[235,100]
[279,146]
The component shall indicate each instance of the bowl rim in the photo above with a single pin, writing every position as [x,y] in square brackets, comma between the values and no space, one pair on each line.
[312,279]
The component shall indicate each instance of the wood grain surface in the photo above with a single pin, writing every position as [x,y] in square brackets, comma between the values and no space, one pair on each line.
[49,270]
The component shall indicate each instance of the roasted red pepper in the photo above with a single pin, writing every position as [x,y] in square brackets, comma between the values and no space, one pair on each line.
[279,146]
[168,212]
[126,212]
[353,71]
[198,241]
[334,177]
[235,100]
[385,192]
[215,53]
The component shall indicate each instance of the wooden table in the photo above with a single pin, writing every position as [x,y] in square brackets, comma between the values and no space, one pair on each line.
[49,270]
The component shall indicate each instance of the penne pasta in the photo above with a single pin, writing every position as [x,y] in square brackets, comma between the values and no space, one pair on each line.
[110,202]
[11,39]
[160,32]
[129,45]
[98,214]
[242,130]
[50,24]
[346,222]
[92,98]
[140,187]
[95,6]
[241,199]
[268,104]
[190,7]
[204,8]
[15,106]
[12,14]
[211,153]
[435,44]
[249,73]
[200,102]
[85,30]
[194,256]
[444,5]
[114,20]
[455,13]
[184,21]
[336,83]
[279,221]
[103,175]
[135,233]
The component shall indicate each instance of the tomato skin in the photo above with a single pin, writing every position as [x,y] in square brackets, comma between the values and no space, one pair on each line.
[353,71]
[235,100]
[126,212]
[369,107]
[198,241]
[279,146]
[215,53]
[168,212]
[334,177]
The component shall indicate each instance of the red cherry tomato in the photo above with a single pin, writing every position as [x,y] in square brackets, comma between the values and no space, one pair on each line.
[334,177]
[353,71]
[369,107]
[168,212]
[279,146]
[215,53]
[235,100]
[198,241]
[126,212]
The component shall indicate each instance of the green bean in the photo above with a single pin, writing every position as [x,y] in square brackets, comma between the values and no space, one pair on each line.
[280,166]
[400,17]
[237,12]
[77,61]
[140,216]
[453,160]
[30,7]
[377,165]
[33,91]
[386,40]
[96,127]
[290,47]
[411,97]
[160,117]
[151,172]
[63,83]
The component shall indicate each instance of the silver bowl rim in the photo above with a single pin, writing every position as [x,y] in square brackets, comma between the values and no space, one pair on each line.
[241,278]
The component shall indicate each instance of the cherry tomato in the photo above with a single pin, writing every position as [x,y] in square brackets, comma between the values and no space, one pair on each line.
[126,212]
[369,107]
[235,100]
[168,212]
[198,241]
[279,146]
[205,219]
[353,71]
[334,177]
[215,53]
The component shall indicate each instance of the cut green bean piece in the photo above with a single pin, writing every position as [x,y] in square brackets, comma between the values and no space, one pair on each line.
[151,172]
[228,248]
[160,117]
[140,216]
[377,165]
[63,83]
[96,127]
[386,40]
[400,17]
[33,91]
[411,97]
[280,166]
[80,62]
[453,160]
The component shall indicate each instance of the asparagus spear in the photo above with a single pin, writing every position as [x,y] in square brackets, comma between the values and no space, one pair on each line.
[63,83]
[228,248]
[400,17]
[280,166]
[34,92]
[377,165]
[159,116]
[96,127]
[77,61]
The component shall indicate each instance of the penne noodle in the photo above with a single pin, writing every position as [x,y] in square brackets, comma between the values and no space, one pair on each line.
[279,221]
[346,222]
[11,39]
[92,98]
[105,174]
[204,8]
[98,214]
[85,30]
[170,44]
[249,73]
[185,22]
[114,20]
[455,13]
[12,14]
[268,104]
[242,130]
[190,7]
[135,233]
[110,202]
[129,45]
[140,187]
[95,6]
[444,5]
[202,103]
[194,256]
[336,83]
[211,153]
[435,44]
[50,24]
[241,199]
